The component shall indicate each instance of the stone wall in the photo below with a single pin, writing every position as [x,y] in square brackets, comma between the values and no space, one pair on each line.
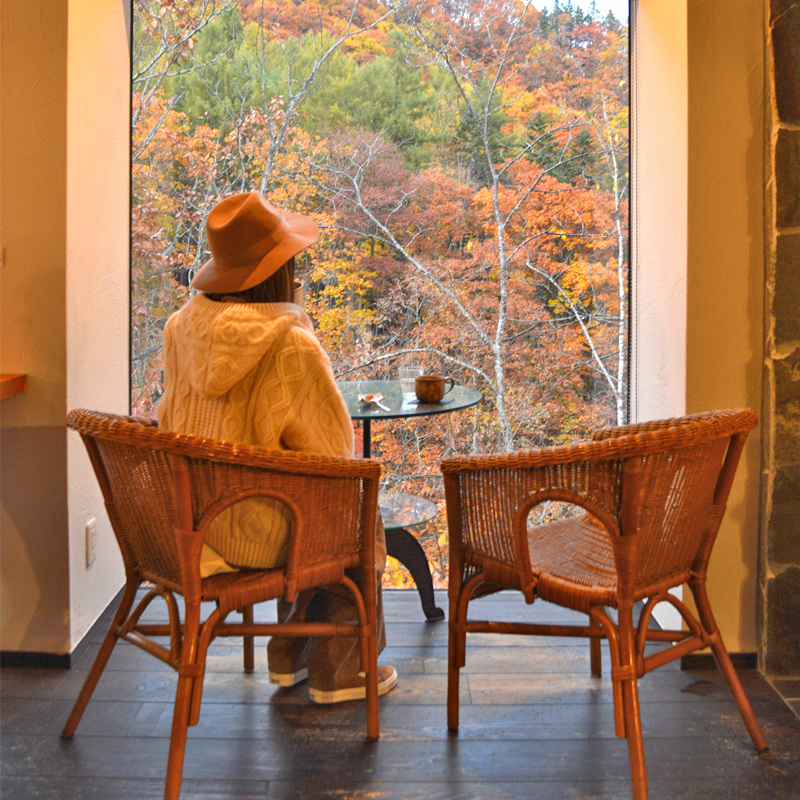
[780,552]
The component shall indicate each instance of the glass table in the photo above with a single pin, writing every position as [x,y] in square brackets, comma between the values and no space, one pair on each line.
[402,511]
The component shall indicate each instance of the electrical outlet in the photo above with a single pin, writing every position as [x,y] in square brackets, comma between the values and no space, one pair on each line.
[91,541]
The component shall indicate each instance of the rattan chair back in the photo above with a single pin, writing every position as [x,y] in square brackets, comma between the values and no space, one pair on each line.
[139,494]
[680,478]
[136,466]
[163,490]
[317,553]
[647,501]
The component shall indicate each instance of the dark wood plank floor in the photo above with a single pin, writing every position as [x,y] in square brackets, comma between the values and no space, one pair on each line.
[534,724]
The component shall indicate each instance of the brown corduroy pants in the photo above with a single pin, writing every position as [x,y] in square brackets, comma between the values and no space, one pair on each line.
[331,660]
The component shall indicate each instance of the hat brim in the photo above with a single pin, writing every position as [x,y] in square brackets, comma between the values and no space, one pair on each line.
[303,232]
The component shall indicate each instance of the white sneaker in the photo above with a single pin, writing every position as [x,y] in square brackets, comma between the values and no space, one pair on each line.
[356,689]
[287,679]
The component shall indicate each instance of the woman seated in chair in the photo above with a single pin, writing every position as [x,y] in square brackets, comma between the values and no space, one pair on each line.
[242,363]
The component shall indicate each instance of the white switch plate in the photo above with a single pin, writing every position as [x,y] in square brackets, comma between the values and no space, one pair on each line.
[91,541]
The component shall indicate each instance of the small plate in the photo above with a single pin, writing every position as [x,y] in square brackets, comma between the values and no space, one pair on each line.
[373,400]
[415,402]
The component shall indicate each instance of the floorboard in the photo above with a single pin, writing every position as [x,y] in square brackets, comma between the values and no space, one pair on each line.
[533,724]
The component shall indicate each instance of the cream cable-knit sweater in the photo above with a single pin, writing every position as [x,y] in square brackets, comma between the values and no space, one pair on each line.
[252,373]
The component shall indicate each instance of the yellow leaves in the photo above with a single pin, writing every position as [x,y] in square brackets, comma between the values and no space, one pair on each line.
[585,285]
[366,42]
[338,301]
[396,576]
[569,423]
[435,542]
[522,104]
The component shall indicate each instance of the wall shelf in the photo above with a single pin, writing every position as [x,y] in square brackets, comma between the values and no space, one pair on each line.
[11,384]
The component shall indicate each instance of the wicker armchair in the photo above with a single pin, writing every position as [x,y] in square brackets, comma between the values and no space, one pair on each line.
[163,489]
[652,499]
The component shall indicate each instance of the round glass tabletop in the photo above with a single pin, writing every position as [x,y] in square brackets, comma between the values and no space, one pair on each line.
[401,510]
[459,397]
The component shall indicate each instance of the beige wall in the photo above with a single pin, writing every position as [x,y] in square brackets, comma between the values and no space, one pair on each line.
[658,211]
[63,211]
[98,213]
[726,273]
[698,285]
[34,590]
[658,220]
[64,94]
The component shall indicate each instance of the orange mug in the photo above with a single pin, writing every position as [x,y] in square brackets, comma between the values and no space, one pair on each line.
[431,388]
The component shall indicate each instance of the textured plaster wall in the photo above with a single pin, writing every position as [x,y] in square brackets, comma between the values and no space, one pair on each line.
[780,550]
[63,192]
[658,380]
[98,159]
[64,164]
[659,209]
[34,591]
[698,251]
[725,288]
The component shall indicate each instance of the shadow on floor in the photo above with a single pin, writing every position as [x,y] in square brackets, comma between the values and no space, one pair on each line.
[534,724]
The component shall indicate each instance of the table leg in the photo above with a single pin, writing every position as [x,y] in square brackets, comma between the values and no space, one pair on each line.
[366,436]
[402,545]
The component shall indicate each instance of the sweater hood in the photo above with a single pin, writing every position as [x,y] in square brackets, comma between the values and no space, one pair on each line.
[224,341]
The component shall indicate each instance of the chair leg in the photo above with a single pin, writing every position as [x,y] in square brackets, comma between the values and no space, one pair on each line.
[248,641]
[367,603]
[177,742]
[456,655]
[742,703]
[101,659]
[371,669]
[726,667]
[630,702]
[191,654]
[612,636]
[453,675]
[200,651]
[595,658]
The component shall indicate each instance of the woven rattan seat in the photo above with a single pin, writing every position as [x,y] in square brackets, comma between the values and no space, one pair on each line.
[650,499]
[162,490]
[574,551]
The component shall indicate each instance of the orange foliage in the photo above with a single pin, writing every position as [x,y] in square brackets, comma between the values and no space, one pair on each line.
[516,287]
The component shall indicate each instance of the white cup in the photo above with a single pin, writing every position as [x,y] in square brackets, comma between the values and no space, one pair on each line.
[407,376]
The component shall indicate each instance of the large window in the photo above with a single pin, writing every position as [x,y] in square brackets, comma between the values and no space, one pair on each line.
[468,163]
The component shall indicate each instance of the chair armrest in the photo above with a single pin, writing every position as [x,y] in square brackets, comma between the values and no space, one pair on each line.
[138,419]
[575,453]
[750,420]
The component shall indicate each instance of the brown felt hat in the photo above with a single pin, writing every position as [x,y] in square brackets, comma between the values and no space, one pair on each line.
[250,239]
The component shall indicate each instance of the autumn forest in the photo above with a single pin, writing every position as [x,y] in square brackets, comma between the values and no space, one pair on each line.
[468,164]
